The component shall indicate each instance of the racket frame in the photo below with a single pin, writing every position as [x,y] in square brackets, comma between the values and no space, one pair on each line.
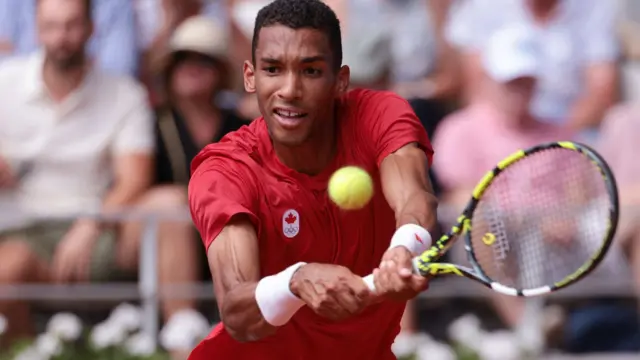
[427,263]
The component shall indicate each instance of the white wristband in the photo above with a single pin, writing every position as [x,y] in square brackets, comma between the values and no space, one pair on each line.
[274,297]
[414,237]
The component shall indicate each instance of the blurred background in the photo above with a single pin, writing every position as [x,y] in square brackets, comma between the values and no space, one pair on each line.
[104,103]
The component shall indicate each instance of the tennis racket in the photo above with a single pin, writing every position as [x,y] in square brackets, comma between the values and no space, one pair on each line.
[539,221]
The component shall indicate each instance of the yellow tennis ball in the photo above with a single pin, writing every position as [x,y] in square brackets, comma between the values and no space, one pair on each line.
[350,188]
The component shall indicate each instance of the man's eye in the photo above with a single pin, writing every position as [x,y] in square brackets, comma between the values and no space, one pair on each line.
[271,69]
[312,71]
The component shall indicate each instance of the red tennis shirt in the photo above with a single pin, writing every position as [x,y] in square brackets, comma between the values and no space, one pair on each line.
[296,221]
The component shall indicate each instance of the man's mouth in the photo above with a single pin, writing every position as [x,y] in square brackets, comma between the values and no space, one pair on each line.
[289,118]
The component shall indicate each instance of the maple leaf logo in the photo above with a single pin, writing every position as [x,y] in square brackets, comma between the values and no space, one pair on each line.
[418,239]
[290,219]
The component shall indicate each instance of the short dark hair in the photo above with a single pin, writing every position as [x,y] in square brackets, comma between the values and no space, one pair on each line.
[87,6]
[299,14]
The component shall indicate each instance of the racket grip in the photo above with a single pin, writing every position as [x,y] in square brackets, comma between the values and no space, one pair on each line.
[368,280]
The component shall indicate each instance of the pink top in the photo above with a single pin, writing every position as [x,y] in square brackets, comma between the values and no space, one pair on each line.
[472,141]
[618,143]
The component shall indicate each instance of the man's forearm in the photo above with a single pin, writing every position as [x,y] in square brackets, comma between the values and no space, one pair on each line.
[253,310]
[420,209]
[123,195]
[408,189]
[587,112]
[241,315]
[600,93]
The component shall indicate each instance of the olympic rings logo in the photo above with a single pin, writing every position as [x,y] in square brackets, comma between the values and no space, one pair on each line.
[291,230]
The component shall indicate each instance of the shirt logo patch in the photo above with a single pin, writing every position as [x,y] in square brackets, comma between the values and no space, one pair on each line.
[290,223]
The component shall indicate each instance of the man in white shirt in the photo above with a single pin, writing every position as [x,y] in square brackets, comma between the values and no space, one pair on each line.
[72,140]
[580,48]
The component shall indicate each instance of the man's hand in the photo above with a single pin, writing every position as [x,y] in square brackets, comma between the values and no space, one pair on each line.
[394,279]
[331,291]
[73,255]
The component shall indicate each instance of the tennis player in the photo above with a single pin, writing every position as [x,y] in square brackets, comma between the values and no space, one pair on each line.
[287,264]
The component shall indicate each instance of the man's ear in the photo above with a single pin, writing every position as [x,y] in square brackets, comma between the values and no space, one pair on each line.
[344,75]
[249,76]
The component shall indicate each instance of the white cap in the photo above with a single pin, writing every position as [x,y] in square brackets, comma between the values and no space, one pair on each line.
[202,35]
[512,53]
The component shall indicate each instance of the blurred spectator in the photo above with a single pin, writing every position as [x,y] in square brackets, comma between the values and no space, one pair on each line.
[578,38]
[113,43]
[367,52]
[366,39]
[399,44]
[629,26]
[156,22]
[617,144]
[499,122]
[195,71]
[242,16]
[425,66]
[157,19]
[74,140]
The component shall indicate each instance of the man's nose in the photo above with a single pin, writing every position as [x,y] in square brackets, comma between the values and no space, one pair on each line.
[291,87]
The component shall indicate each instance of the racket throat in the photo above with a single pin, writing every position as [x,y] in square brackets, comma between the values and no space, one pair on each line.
[436,269]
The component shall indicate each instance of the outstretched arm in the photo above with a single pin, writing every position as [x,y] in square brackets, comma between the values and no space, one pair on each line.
[402,150]
[251,306]
[235,269]
[407,188]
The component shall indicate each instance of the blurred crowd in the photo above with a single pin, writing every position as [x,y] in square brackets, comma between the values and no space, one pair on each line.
[104,103]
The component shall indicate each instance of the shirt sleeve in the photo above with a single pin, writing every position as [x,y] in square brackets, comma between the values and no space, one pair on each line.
[136,131]
[392,124]
[218,191]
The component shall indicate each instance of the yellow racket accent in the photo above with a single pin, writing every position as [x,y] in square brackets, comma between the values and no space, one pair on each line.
[489,239]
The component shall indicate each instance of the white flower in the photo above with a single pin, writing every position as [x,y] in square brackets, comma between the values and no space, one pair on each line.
[48,345]
[140,344]
[107,334]
[127,316]
[66,326]
[3,324]
[404,345]
[434,350]
[466,331]
[499,345]
[184,330]
[30,353]
[422,338]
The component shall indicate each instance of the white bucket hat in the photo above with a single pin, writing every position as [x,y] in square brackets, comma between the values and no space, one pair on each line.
[512,53]
[202,35]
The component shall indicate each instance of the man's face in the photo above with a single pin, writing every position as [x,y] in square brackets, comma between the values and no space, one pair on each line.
[63,31]
[295,82]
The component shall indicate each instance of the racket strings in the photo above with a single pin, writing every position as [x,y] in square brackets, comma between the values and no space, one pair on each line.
[547,215]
